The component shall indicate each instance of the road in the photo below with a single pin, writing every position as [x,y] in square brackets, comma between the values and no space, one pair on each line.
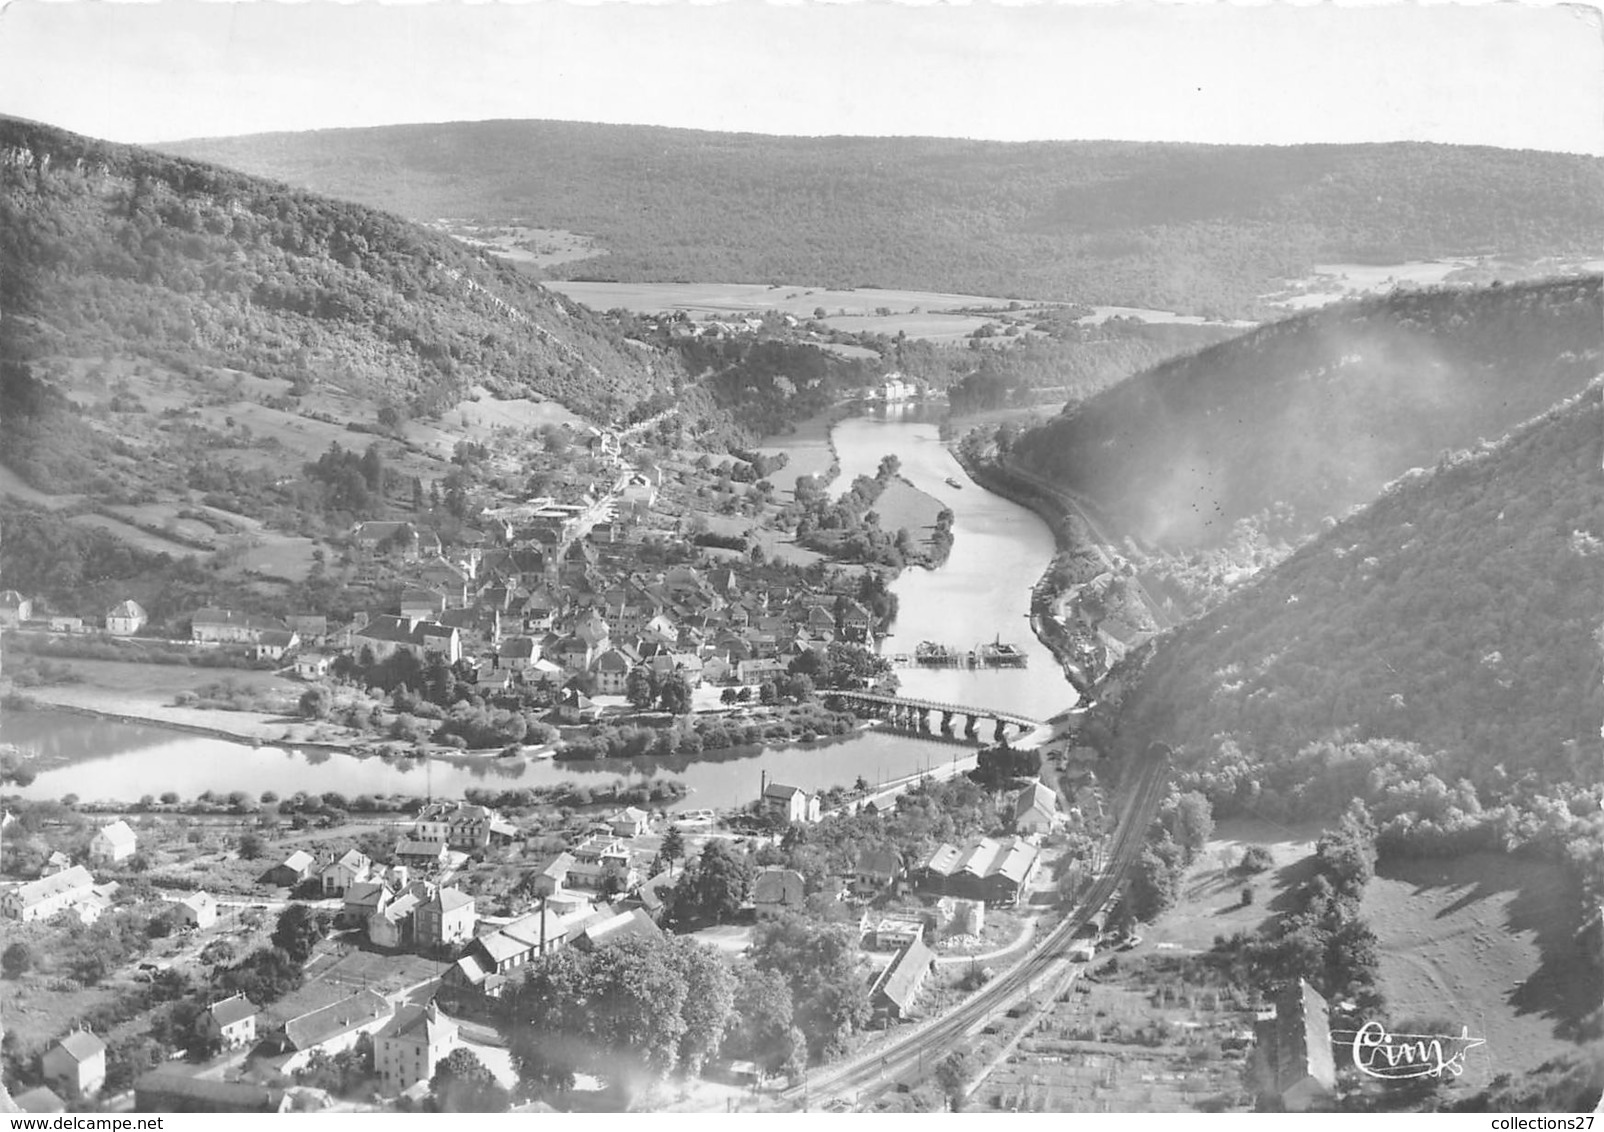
[909,1055]
[1067,500]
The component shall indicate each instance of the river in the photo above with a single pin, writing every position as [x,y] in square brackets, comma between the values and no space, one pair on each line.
[982,593]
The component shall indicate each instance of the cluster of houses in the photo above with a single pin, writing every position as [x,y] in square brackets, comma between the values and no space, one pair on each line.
[65,887]
[408,1039]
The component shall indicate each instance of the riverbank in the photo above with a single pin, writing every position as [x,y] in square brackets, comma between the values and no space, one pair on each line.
[810,449]
[136,693]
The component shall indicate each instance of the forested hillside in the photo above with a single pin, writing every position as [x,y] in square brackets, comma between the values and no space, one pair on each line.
[1188,227]
[109,249]
[1314,414]
[1437,655]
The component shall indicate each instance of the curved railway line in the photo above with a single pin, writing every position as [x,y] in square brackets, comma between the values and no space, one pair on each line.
[910,1054]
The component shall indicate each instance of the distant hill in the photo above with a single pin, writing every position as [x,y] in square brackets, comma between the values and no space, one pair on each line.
[109,248]
[1314,414]
[1437,655]
[1189,227]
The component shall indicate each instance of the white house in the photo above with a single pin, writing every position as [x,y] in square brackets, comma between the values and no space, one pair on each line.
[411,1044]
[126,619]
[198,910]
[115,842]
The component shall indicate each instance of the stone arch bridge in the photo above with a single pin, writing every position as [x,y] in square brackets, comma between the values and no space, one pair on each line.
[916,716]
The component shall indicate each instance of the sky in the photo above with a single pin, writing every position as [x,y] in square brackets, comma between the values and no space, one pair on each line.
[1505,74]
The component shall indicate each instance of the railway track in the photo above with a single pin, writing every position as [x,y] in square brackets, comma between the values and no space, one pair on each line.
[911,1055]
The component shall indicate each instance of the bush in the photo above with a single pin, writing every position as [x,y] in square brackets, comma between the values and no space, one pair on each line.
[1255,860]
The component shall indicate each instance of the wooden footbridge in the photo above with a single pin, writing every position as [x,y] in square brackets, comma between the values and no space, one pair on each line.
[915,716]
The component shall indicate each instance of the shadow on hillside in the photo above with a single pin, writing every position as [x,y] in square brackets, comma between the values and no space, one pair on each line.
[1287,880]
[1545,904]
[1565,987]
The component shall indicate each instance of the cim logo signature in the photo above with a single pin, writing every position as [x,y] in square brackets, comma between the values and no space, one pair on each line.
[1402,1057]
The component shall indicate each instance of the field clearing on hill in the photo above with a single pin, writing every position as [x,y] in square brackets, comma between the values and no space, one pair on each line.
[277,555]
[1211,893]
[13,485]
[133,536]
[926,326]
[734,298]
[1483,941]
[483,411]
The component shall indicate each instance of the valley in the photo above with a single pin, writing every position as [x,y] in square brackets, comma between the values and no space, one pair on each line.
[487,639]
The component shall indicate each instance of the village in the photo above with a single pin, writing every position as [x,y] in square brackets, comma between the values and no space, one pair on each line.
[402,943]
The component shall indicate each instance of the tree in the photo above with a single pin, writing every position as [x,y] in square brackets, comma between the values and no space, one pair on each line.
[17,959]
[715,884]
[727,696]
[298,931]
[1255,859]
[640,687]
[763,1018]
[952,1074]
[673,847]
[1190,821]
[674,693]
[315,703]
[252,845]
[461,1083]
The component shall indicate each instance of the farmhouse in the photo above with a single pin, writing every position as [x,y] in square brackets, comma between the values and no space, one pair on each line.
[14,609]
[75,1067]
[229,1022]
[1296,1071]
[126,619]
[333,1028]
[227,626]
[292,870]
[40,899]
[446,918]
[198,910]
[409,1046]
[341,873]
[1035,809]
[776,890]
[115,842]
[894,992]
[172,1090]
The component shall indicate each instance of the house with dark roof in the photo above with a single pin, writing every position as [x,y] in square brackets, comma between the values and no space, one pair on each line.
[411,1044]
[893,993]
[776,890]
[229,626]
[39,1100]
[446,919]
[170,1089]
[292,870]
[790,803]
[1293,1062]
[331,1028]
[879,869]
[654,896]
[126,619]
[362,900]
[229,1022]
[552,875]
[996,872]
